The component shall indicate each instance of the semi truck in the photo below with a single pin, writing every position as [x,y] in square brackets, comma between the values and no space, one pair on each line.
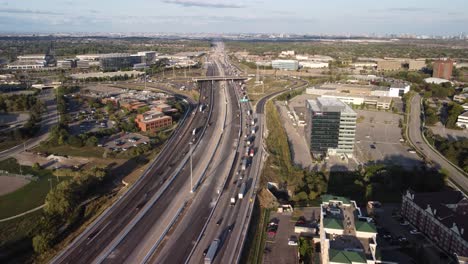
[241,191]
[244,165]
[212,251]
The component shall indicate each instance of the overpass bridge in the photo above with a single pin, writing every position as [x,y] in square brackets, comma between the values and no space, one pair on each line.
[219,78]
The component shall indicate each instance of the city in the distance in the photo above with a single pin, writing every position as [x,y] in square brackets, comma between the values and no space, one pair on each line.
[222,131]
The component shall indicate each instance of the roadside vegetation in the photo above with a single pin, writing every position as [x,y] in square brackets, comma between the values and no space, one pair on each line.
[454,150]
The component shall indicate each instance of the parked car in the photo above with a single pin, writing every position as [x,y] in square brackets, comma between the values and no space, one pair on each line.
[404,223]
[414,232]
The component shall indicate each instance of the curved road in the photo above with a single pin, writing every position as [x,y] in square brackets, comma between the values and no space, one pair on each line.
[415,137]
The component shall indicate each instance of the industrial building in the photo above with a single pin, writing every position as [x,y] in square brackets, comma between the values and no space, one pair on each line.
[442,69]
[152,121]
[330,127]
[441,216]
[389,65]
[345,235]
[313,64]
[289,65]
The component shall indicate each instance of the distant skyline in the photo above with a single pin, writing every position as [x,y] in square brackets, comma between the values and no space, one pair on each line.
[339,17]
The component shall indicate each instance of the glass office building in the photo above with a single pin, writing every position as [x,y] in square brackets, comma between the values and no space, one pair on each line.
[330,127]
[118,61]
[289,65]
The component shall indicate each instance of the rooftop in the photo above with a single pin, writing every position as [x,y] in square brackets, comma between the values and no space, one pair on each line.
[341,256]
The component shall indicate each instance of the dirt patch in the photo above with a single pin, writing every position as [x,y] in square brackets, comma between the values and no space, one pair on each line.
[10,184]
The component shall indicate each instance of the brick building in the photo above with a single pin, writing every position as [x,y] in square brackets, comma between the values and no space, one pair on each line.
[442,69]
[153,121]
[441,216]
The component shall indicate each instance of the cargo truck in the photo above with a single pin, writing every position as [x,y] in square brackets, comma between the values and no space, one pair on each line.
[212,251]
[241,191]
[244,165]
[233,200]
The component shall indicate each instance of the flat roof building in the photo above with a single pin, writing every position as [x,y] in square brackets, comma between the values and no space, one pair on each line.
[152,121]
[389,65]
[330,127]
[345,236]
[462,120]
[289,65]
[118,61]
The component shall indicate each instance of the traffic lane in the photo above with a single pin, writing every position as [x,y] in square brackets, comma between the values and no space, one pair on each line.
[121,212]
[202,207]
[132,240]
[415,136]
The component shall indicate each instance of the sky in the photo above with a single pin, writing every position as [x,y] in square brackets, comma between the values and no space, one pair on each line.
[338,17]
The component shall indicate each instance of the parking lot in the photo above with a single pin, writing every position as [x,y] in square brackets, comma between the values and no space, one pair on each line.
[124,141]
[378,138]
[277,248]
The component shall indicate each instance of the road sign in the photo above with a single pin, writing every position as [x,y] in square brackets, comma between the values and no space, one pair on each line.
[244,100]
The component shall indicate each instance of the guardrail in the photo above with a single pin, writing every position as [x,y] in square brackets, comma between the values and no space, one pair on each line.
[108,210]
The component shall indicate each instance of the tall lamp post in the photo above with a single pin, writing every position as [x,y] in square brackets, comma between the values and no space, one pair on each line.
[191,167]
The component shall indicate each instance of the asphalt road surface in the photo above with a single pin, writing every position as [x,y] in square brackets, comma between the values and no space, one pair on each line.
[49,119]
[106,229]
[415,136]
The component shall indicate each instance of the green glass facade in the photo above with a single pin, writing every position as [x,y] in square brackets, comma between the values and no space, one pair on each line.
[324,131]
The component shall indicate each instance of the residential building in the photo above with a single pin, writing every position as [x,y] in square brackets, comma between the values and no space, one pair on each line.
[289,65]
[345,237]
[152,121]
[441,216]
[330,127]
[462,120]
[442,69]
[461,98]
[82,64]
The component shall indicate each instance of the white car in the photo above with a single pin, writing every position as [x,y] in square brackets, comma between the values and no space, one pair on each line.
[414,232]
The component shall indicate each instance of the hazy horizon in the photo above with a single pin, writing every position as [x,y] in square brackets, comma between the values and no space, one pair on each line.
[338,17]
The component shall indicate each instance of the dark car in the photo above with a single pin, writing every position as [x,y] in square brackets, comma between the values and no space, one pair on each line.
[372,146]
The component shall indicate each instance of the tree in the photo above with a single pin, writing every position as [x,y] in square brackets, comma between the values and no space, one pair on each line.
[42,242]
[454,110]
[92,141]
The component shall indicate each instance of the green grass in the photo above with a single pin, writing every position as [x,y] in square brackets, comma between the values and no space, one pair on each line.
[8,144]
[72,151]
[29,196]
[18,228]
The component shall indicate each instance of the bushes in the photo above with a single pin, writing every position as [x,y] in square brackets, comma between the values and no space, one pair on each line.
[62,206]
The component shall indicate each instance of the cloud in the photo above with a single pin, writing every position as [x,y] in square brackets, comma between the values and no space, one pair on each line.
[27,11]
[204,3]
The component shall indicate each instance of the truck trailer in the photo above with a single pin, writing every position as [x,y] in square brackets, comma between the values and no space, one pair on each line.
[211,251]
[241,191]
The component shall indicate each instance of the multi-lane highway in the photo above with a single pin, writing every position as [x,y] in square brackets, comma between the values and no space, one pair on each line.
[131,229]
[457,176]
[49,119]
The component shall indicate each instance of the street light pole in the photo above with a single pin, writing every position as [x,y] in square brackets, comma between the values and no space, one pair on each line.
[191,168]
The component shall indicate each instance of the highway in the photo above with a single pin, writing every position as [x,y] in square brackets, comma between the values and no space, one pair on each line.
[415,136]
[49,119]
[131,229]
[211,215]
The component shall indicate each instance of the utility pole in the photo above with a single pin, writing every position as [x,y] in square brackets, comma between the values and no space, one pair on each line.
[173,71]
[191,167]
[145,81]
